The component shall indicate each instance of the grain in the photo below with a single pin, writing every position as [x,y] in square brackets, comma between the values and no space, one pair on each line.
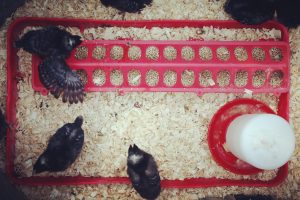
[187,53]
[240,54]
[276,54]
[241,78]
[99,77]
[116,77]
[152,78]
[134,53]
[276,78]
[258,54]
[116,52]
[82,75]
[205,53]
[259,78]
[170,53]
[99,52]
[223,78]
[223,53]
[81,53]
[152,53]
[170,78]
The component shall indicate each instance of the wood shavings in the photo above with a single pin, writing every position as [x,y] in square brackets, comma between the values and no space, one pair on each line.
[134,77]
[188,78]
[177,9]
[248,93]
[205,78]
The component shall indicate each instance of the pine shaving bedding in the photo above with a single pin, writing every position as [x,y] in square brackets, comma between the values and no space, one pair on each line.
[153,121]
[157,33]
[174,9]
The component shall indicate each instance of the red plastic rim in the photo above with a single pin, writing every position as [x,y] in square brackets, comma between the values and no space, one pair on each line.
[199,182]
[218,128]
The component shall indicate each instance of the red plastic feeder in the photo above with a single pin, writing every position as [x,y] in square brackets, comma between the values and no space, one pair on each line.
[195,65]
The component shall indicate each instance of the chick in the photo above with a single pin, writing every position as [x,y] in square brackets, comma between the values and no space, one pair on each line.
[251,11]
[131,6]
[63,148]
[288,12]
[59,79]
[143,173]
[3,125]
[48,41]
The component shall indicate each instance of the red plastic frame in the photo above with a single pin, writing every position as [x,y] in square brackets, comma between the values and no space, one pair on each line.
[12,61]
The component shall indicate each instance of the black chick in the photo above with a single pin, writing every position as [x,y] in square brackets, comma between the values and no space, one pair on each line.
[288,12]
[48,41]
[143,173]
[63,148]
[3,125]
[251,11]
[131,6]
[59,79]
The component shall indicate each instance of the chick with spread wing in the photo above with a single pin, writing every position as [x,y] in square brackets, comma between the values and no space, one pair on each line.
[59,79]
[49,41]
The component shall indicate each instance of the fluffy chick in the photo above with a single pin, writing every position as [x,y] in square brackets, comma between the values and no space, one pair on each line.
[3,125]
[131,6]
[288,12]
[48,41]
[59,79]
[143,173]
[251,11]
[63,148]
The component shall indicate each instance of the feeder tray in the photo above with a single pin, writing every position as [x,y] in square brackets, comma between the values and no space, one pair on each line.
[128,65]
